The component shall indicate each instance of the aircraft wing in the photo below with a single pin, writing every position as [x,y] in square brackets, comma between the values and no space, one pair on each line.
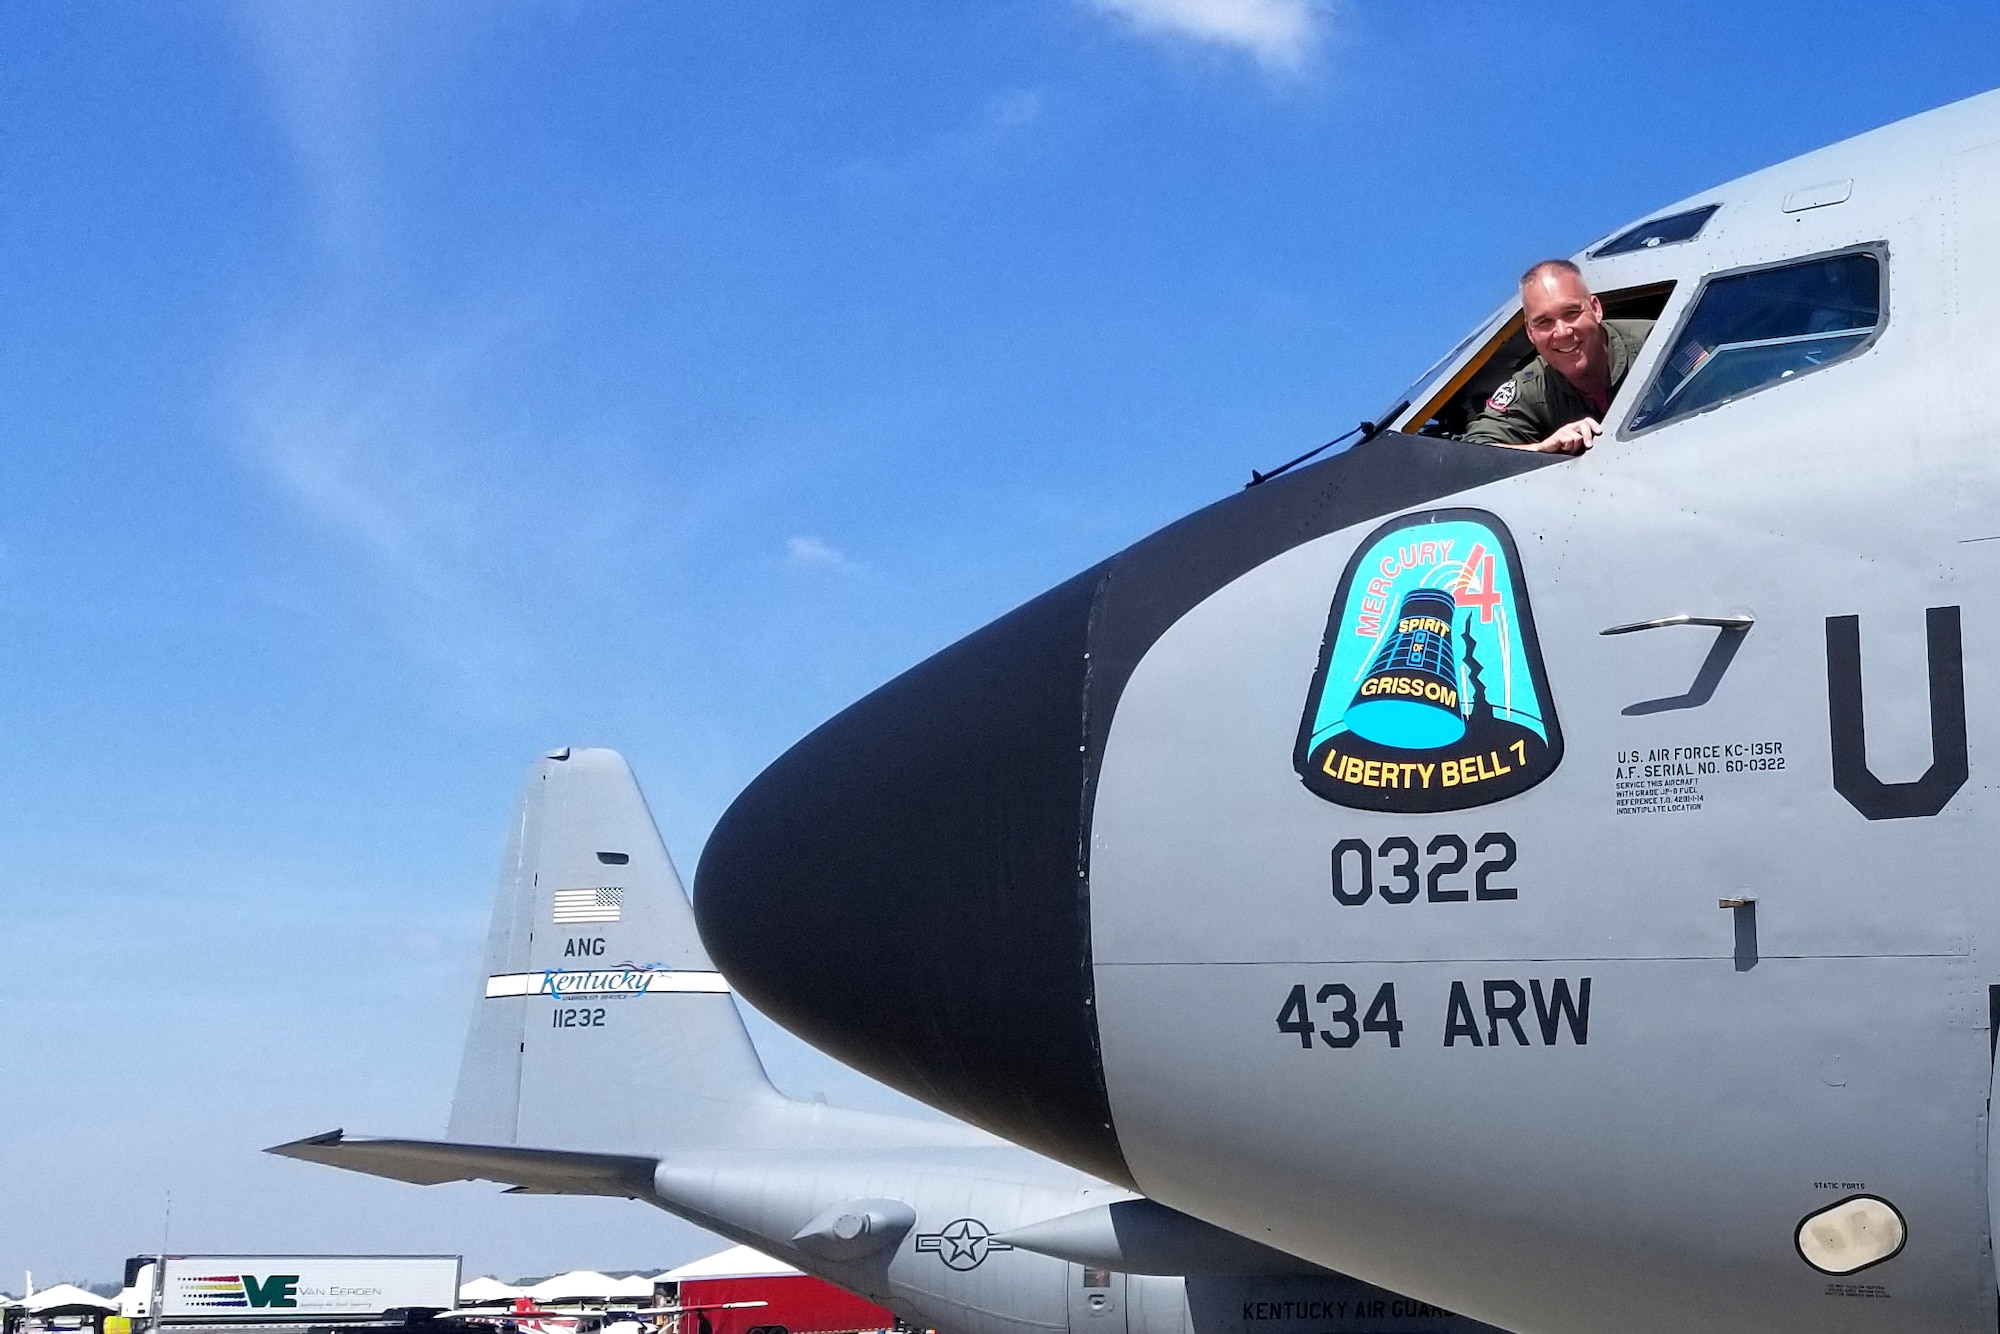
[527,1171]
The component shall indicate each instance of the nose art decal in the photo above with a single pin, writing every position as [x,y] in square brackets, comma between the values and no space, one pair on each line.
[1430,693]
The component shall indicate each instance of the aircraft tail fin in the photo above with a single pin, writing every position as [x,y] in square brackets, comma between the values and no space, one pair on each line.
[601,1024]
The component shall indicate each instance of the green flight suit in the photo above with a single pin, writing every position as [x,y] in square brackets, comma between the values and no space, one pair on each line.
[1538,401]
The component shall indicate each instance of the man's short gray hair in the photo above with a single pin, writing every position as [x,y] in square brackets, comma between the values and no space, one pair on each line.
[1550,266]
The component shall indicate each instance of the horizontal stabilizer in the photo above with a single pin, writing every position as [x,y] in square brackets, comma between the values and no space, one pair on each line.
[1146,1237]
[429,1162]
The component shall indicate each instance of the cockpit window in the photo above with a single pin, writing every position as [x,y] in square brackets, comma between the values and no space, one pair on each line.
[1660,231]
[1747,331]
[1453,404]
[1409,395]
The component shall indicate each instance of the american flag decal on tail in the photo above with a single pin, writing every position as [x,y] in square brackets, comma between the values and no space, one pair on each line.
[601,904]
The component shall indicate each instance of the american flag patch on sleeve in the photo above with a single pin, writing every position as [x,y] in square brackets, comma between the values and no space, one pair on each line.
[601,904]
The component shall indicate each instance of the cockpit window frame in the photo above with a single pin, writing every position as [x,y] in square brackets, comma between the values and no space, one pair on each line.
[1658,348]
[1442,391]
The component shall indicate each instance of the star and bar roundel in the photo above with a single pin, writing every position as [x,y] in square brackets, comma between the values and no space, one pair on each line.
[963,1243]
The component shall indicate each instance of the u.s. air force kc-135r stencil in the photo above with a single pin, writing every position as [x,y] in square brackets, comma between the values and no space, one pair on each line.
[1430,693]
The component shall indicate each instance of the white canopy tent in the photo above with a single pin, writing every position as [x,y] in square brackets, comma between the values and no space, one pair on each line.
[66,1299]
[485,1291]
[736,1262]
[587,1285]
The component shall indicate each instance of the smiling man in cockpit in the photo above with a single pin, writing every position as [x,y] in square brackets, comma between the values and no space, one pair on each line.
[1556,402]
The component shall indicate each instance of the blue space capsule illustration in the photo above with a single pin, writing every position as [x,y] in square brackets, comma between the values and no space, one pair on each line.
[1409,699]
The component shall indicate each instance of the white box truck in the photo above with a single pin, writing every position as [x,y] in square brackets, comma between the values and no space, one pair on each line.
[289,1289]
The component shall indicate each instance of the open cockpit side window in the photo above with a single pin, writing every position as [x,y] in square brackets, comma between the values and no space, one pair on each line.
[1453,404]
[1755,328]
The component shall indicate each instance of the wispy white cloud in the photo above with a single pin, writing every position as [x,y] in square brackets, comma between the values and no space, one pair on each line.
[1013,109]
[812,553]
[1278,34]
[377,453]
[1003,118]
[377,434]
[316,64]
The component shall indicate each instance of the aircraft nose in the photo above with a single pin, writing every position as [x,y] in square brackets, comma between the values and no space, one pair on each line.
[908,887]
[904,888]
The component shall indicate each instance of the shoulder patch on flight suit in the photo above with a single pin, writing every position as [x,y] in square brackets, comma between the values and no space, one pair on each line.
[1503,397]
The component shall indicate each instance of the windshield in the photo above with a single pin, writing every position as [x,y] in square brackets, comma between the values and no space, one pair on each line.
[1751,330]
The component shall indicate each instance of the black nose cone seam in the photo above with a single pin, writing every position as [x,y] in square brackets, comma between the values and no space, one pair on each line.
[904,887]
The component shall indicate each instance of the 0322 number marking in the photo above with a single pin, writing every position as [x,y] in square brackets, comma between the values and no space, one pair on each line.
[1354,870]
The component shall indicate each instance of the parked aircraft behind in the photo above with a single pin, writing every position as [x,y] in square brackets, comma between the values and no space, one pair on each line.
[607,1057]
[1620,960]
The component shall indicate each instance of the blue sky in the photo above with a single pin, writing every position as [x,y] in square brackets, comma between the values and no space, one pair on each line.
[390,392]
